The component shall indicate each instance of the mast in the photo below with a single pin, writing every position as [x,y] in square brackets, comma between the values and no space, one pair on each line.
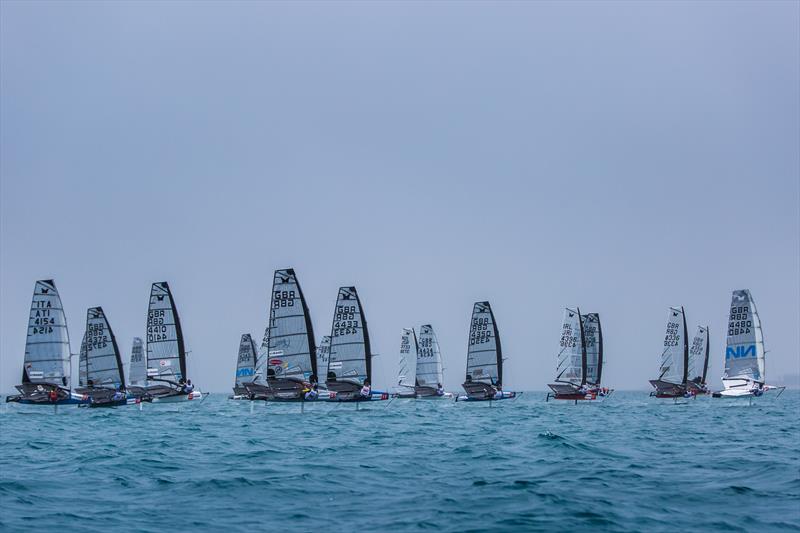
[705,363]
[599,349]
[685,349]
[584,363]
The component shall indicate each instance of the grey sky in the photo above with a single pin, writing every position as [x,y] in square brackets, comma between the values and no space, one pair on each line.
[622,157]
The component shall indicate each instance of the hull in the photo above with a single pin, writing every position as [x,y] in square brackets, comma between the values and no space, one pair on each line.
[376,396]
[571,392]
[742,388]
[504,395]
[665,389]
[179,397]
[30,395]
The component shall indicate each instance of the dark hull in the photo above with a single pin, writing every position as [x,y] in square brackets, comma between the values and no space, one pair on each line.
[665,389]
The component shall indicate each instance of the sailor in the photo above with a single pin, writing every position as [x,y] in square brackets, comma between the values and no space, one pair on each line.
[53,395]
[366,390]
[313,393]
[188,387]
[439,390]
[583,390]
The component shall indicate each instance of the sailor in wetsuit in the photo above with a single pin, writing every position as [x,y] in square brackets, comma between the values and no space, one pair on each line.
[188,387]
[366,390]
[312,393]
[439,390]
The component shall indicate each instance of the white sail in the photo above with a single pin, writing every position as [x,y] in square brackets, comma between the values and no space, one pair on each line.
[47,345]
[166,356]
[137,373]
[323,351]
[744,350]
[246,361]
[350,356]
[675,350]
[429,359]
[103,360]
[698,355]
[593,340]
[407,371]
[484,354]
[289,337]
[570,355]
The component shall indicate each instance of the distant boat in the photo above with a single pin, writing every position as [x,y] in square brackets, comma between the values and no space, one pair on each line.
[137,371]
[105,376]
[167,380]
[45,372]
[672,381]
[407,366]
[323,353]
[580,359]
[484,379]
[349,374]
[429,370]
[698,361]
[288,350]
[245,366]
[745,356]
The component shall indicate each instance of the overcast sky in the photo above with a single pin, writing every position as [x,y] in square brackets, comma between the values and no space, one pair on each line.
[621,157]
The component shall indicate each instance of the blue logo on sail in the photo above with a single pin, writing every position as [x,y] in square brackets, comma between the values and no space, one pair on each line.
[244,372]
[740,352]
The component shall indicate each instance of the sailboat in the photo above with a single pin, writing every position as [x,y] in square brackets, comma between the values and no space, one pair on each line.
[45,371]
[745,361]
[166,355]
[137,370]
[323,353]
[407,367]
[349,373]
[698,361]
[429,371]
[105,377]
[674,369]
[245,367]
[484,379]
[580,359]
[288,350]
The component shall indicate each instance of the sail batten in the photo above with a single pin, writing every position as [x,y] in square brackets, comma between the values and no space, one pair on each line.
[47,350]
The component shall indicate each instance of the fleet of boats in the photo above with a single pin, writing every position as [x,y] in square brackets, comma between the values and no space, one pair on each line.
[290,367]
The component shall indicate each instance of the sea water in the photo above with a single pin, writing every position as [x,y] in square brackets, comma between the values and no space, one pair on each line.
[632,463]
